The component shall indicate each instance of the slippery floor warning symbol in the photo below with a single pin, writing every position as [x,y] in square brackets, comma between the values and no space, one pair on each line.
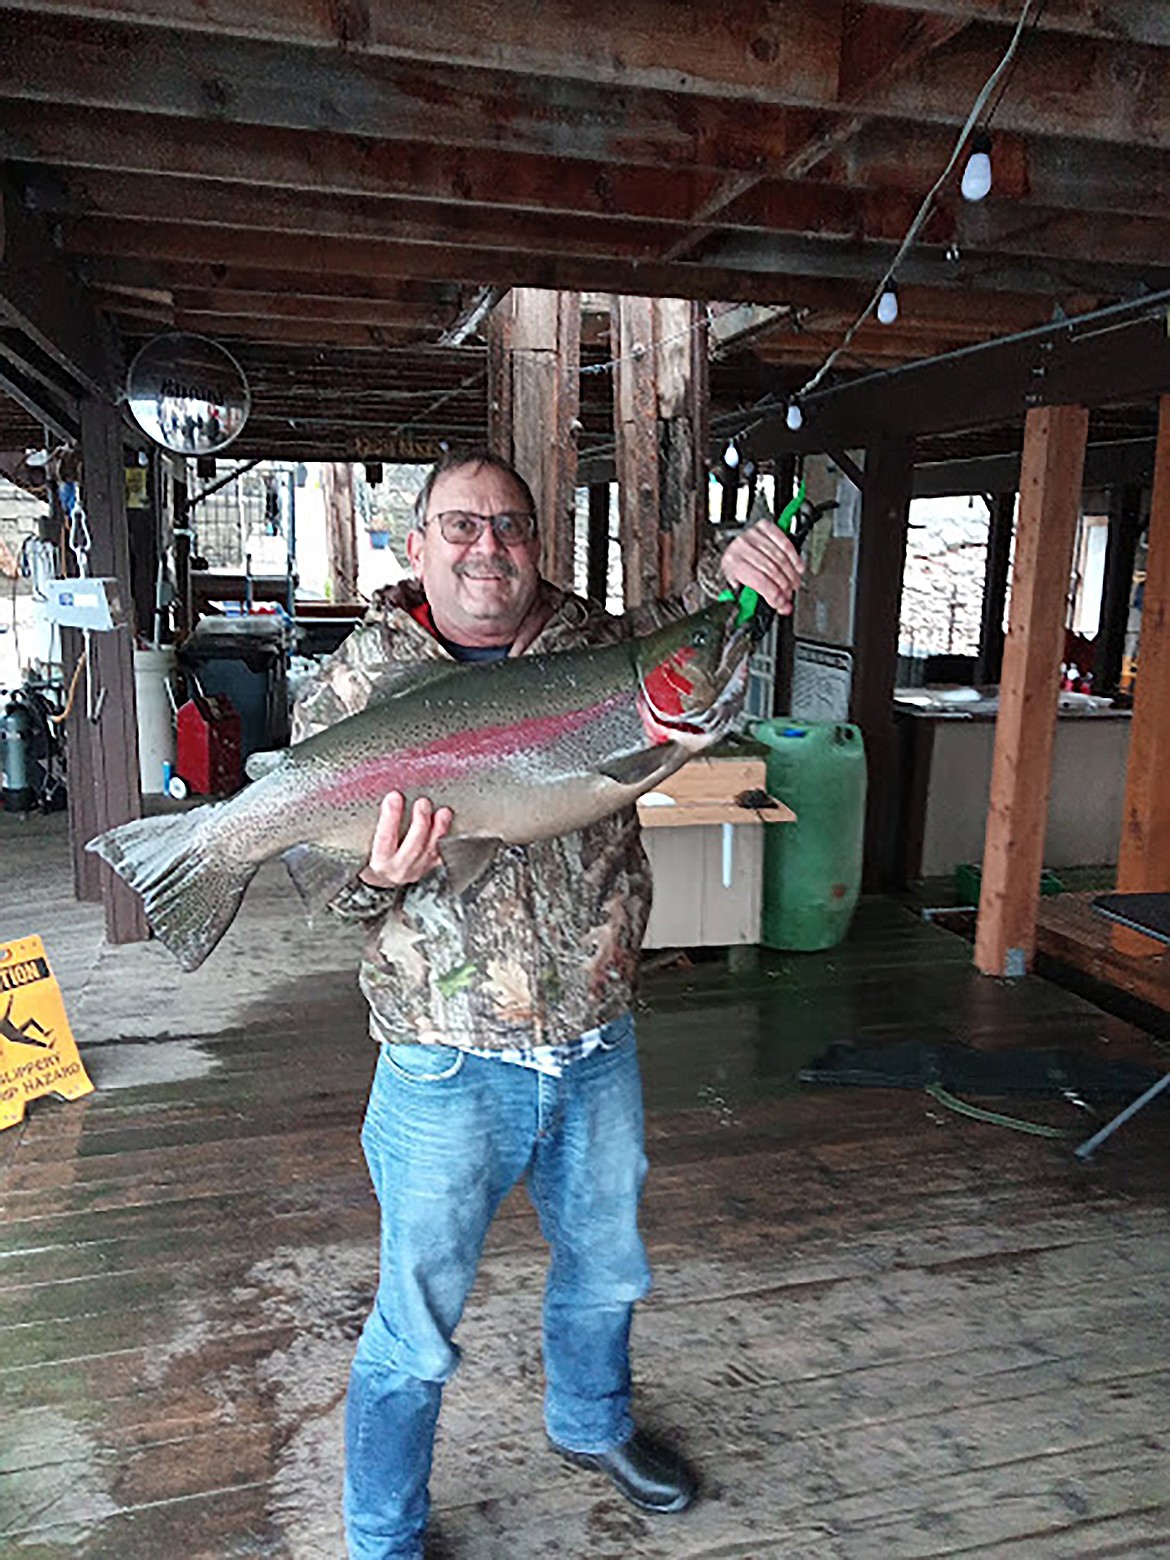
[38,1054]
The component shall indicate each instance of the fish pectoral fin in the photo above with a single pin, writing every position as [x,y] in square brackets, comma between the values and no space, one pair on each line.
[467,857]
[320,873]
[642,767]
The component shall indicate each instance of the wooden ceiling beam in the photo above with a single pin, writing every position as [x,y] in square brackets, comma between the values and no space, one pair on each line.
[198,76]
[1055,277]
[1133,21]
[640,42]
[955,303]
[768,271]
[1074,174]
[808,208]
[650,44]
[206,278]
[190,201]
[322,162]
[879,44]
[230,314]
[332,333]
[416,313]
[1085,87]
[1007,229]
[41,298]
[873,46]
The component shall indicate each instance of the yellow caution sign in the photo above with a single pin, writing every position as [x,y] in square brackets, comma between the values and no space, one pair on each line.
[38,1054]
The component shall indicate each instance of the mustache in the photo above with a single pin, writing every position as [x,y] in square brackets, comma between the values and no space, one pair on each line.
[499,569]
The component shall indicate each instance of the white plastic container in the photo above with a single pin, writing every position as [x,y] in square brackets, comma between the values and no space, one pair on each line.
[154,672]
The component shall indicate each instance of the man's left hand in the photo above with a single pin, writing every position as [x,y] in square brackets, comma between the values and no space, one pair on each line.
[764,558]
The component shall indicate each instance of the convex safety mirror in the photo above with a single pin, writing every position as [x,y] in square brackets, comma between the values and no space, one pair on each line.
[188,394]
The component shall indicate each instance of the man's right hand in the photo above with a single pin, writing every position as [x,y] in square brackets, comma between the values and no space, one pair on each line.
[396,858]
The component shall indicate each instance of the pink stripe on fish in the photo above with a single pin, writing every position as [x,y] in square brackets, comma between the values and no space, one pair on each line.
[420,769]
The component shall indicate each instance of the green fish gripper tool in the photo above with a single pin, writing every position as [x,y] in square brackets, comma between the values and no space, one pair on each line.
[749,599]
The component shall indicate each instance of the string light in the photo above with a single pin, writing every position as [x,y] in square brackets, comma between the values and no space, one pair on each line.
[927,205]
[887,305]
[977,174]
[794,417]
[731,456]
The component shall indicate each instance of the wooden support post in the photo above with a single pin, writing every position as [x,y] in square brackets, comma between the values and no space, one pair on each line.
[597,573]
[995,577]
[635,411]
[104,752]
[1013,855]
[661,435]
[83,813]
[680,369]
[1125,526]
[881,563]
[341,531]
[1144,860]
[499,399]
[534,395]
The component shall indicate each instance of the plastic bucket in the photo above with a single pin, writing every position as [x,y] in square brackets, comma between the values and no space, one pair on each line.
[154,672]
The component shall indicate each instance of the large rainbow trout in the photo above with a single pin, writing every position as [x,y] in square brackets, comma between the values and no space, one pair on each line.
[519,749]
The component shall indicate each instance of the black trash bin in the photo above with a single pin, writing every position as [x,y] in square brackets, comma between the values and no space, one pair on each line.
[246,660]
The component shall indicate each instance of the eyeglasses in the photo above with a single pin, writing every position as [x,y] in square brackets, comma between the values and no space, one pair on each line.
[511,528]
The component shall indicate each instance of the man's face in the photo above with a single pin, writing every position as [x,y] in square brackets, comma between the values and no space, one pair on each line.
[479,592]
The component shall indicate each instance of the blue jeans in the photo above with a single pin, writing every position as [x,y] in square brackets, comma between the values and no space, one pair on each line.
[446,1136]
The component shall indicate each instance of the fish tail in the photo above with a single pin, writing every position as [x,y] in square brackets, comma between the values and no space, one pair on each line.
[190,890]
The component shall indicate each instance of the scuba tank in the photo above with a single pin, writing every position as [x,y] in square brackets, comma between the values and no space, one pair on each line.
[17,730]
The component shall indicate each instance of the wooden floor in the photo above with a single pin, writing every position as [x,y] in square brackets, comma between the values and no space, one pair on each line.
[879,1328]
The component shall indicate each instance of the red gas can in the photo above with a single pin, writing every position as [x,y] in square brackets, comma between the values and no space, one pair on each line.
[208,746]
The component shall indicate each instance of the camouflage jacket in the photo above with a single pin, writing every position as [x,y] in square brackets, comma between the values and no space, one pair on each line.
[545,946]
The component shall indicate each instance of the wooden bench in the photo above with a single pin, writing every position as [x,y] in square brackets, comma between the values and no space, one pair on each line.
[1150,915]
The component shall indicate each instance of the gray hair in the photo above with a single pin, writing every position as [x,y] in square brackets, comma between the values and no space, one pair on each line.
[454,460]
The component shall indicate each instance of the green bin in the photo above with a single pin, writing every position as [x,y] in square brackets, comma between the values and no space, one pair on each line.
[812,868]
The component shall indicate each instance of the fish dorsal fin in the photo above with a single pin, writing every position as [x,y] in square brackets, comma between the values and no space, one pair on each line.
[320,873]
[642,767]
[260,764]
[467,857]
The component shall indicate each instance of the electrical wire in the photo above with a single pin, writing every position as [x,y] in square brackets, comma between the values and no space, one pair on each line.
[640,349]
[927,205]
[994,109]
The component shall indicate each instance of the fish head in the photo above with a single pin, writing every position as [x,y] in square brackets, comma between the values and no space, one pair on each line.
[692,675]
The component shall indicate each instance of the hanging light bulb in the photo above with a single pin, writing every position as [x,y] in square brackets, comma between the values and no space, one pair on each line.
[731,456]
[977,174]
[794,417]
[887,309]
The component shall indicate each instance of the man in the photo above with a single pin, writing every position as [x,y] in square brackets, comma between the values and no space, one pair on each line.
[503,1017]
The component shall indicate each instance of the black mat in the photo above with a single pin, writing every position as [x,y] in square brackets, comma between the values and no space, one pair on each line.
[913,1064]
